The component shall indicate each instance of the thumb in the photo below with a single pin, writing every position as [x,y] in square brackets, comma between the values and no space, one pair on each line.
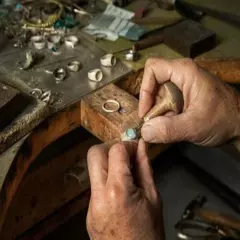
[166,129]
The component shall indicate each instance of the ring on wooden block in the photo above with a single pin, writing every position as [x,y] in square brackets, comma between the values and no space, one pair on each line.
[95,75]
[71,41]
[116,107]
[74,66]
[108,60]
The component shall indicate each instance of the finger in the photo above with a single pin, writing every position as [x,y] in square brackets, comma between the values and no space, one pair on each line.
[143,170]
[98,166]
[119,162]
[156,71]
[167,129]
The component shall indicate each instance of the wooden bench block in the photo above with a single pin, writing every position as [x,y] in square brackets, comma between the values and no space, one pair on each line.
[12,102]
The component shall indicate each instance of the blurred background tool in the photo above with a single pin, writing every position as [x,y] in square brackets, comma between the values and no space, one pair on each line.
[208,222]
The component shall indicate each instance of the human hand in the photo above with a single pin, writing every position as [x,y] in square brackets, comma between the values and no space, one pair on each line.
[211,113]
[124,202]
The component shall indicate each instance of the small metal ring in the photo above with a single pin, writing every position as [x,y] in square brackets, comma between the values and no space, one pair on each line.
[95,75]
[71,41]
[107,110]
[59,74]
[38,42]
[36,92]
[108,60]
[74,66]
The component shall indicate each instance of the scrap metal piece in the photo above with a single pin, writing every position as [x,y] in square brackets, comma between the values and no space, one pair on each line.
[30,60]
[46,97]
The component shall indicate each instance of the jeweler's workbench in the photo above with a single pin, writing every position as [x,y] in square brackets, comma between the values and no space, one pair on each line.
[43,175]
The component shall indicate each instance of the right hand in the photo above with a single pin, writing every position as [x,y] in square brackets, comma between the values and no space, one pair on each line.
[211,113]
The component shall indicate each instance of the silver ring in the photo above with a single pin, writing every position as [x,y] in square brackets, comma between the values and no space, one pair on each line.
[109,110]
[59,74]
[71,41]
[36,92]
[95,75]
[53,40]
[108,60]
[74,66]
[38,42]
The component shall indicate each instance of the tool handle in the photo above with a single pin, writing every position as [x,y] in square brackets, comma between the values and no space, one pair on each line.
[148,42]
[226,69]
[217,218]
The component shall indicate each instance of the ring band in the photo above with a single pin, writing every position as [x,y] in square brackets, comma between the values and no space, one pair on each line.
[95,75]
[38,42]
[108,110]
[74,66]
[71,41]
[108,60]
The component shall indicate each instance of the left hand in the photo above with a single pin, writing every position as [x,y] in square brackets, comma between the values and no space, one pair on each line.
[123,205]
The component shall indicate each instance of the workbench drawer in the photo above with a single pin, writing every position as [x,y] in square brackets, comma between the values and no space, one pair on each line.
[52,181]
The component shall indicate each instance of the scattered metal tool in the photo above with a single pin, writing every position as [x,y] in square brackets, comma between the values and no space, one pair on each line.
[206,223]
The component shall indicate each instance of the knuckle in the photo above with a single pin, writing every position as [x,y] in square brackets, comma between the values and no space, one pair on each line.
[150,61]
[118,148]
[188,63]
[114,192]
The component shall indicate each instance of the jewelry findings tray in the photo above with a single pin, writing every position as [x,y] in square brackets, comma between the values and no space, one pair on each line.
[75,85]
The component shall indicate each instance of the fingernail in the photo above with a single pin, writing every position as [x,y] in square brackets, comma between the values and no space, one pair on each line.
[148,132]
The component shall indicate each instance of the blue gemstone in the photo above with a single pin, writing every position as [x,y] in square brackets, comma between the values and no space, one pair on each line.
[131,133]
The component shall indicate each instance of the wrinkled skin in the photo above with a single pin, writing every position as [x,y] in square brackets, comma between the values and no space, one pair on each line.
[124,202]
[211,113]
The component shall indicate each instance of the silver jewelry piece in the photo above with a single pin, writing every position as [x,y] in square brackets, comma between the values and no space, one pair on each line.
[74,66]
[71,41]
[116,107]
[36,92]
[38,42]
[95,75]
[108,60]
[131,55]
[59,74]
